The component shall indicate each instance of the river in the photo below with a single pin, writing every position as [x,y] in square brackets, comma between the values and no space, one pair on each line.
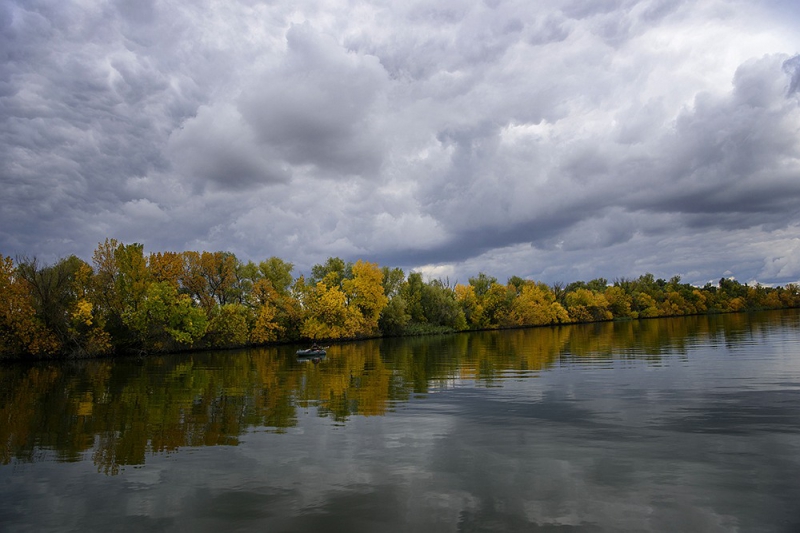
[684,424]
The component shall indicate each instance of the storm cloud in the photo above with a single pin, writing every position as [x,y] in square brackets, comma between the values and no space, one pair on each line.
[570,141]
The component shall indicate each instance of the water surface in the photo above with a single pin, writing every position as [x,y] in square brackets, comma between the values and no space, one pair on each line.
[689,424]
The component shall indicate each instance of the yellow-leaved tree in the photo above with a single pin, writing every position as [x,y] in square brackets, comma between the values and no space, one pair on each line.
[536,305]
[473,311]
[328,316]
[266,328]
[21,331]
[365,296]
[586,305]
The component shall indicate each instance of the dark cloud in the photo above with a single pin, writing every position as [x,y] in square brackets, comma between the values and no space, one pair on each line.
[792,67]
[580,10]
[550,28]
[137,11]
[316,107]
[217,147]
[655,11]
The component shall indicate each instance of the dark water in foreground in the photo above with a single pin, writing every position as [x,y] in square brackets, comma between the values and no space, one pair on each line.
[674,425]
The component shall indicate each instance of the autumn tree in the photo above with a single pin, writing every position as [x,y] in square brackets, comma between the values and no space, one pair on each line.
[497,302]
[365,295]
[61,295]
[644,305]
[536,305]
[210,278]
[269,308]
[346,301]
[21,331]
[584,305]
[166,266]
[328,316]
[87,325]
[473,311]
[619,302]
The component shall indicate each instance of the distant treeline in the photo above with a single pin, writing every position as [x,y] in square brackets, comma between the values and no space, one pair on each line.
[128,302]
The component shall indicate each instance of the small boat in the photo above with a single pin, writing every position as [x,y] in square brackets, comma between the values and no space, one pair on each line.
[311,352]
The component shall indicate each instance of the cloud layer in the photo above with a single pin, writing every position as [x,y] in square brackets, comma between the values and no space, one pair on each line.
[559,143]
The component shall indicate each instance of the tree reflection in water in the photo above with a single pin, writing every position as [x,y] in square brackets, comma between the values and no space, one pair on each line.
[120,411]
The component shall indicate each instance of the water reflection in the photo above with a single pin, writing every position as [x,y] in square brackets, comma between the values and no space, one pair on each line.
[119,412]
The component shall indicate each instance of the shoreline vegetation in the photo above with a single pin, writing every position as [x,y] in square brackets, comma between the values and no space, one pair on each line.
[128,302]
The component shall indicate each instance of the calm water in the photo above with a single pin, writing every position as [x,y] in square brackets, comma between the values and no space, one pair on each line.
[673,425]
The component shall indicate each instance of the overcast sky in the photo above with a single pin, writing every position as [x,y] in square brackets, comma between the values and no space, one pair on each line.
[557,141]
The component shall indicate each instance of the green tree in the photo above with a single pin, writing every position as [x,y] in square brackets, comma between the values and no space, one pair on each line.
[332,273]
[598,285]
[394,318]
[440,307]
[165,319]
[412,292]
[54,294]
[120,283]
[228,326]
[482,283]
[393,279]
[278,272]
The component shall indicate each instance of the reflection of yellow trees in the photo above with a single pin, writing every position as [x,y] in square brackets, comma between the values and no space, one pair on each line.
[128,409]
[492,355]
[651,338]
[122,411]
[354,380]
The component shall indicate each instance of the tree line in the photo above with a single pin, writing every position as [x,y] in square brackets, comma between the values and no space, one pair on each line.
[127,301]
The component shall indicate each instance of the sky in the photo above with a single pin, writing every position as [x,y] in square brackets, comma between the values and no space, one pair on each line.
[557,141]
